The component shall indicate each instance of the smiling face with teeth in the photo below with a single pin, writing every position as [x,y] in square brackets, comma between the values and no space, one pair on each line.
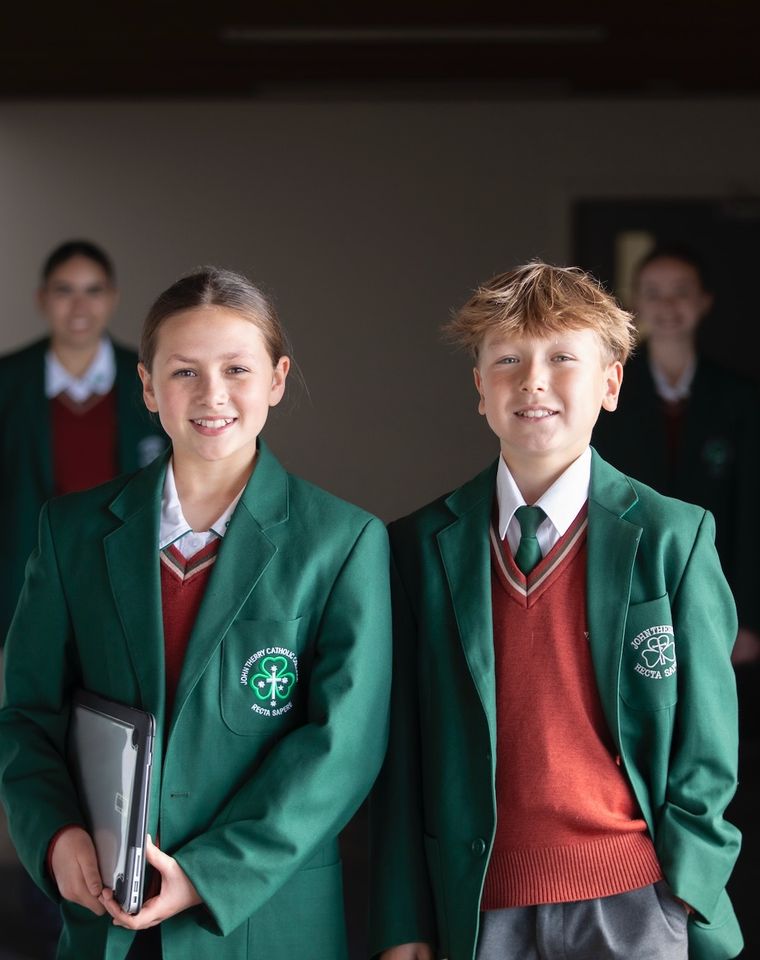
[671,301]
[541,397]
[212,382]
[77,300]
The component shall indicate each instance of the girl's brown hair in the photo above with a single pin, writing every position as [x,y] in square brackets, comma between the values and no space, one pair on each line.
[540,300]
[214,287]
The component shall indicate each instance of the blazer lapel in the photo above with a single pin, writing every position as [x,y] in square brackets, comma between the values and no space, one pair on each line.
[612,544]
[465,551]
[134,571]
[243,557]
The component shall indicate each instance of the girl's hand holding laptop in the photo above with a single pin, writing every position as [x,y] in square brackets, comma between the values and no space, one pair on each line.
[175,895]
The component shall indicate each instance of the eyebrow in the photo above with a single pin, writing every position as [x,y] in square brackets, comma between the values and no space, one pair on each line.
[97,285]
[235,355]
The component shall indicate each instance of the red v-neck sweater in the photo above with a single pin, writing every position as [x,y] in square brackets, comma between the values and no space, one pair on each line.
[83,442]
[568,827]
[183,584]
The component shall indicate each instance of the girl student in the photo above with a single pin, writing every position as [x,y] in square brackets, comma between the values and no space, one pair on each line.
[80,392]
[249,612]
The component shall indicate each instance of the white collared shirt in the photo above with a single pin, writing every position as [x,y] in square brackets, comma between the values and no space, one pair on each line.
[98,379]
[561,503]
[174,529]
[673,392]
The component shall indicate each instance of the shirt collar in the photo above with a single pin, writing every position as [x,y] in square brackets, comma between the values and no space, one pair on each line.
[173,524]
[561,502]
[98,378]
[673,392]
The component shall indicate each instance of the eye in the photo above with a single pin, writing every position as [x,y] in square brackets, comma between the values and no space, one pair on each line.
[562,357]
[236,370]
[506,361]
[184,373]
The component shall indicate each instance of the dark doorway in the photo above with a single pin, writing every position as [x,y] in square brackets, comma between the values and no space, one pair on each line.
[611,235]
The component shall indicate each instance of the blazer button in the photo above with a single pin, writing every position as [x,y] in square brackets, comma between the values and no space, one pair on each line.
[478,847]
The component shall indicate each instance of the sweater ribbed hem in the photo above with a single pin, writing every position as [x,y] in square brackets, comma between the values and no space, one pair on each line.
[582,871]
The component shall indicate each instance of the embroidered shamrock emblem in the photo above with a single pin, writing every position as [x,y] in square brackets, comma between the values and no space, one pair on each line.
[273,681]
[717,454]
[659,651]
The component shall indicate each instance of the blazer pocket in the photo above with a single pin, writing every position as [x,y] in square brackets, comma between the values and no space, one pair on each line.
[649,666]
[261,690]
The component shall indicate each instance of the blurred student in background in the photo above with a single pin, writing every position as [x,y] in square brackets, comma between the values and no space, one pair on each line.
[71,413]
[689,427]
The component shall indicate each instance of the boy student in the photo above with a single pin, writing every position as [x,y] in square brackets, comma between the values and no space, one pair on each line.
[71,413]
[563,734]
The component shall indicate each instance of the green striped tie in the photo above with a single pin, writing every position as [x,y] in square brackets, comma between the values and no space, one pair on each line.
[528,553]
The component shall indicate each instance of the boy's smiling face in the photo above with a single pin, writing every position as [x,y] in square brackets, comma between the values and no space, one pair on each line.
[542,397]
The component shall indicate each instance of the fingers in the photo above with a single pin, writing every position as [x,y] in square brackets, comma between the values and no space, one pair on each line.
[408,951]
[91,903]
[75,870]
[177,893]
[150,915]
[156,857]
[88,864]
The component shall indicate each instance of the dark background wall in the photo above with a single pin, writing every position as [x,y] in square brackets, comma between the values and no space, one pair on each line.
[368,220]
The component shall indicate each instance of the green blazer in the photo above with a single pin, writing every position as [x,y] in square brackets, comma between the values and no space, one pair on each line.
[651,562]
[26,464]
[718,462]
[249,801]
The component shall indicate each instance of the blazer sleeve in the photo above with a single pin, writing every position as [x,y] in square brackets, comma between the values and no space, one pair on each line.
[36,789]
[315,777]
[696,846]
[401,909]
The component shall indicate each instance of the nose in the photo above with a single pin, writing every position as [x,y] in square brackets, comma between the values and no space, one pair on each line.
[533,375]
[213,390]
[79,301]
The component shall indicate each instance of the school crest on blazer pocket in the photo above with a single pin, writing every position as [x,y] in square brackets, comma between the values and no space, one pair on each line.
[648,672]
[260,676]
[271,673]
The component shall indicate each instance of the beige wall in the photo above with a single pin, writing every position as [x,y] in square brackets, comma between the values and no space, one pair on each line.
[366,220]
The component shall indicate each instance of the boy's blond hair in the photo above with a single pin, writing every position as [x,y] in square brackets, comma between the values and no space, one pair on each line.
[541,300]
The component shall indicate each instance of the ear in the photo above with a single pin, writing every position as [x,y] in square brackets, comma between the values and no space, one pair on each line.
[479,387]
[149,394]
[707,302]
[613,379]
[279,376]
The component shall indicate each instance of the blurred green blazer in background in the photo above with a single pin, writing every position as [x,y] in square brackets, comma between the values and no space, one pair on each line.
[26,459]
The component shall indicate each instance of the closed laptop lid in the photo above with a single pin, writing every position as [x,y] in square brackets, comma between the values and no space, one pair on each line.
[110,748]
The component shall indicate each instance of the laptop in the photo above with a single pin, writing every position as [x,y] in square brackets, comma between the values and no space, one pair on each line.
[110,753]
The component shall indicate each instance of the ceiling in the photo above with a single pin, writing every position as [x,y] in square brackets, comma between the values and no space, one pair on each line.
[233,49]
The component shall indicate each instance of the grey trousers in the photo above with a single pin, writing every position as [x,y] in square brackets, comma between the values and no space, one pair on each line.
[644,924]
